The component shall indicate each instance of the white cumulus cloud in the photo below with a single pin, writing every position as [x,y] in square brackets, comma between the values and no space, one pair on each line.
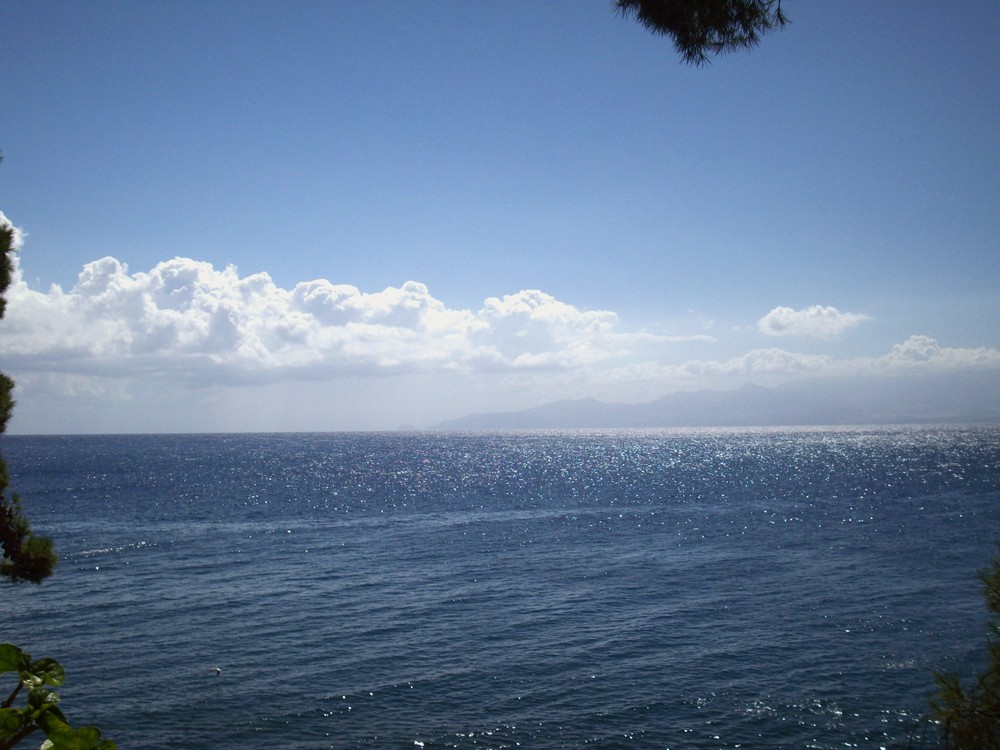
[203,324]
[816,321]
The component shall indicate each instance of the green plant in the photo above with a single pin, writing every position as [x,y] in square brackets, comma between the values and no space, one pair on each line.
[40,709]
[700,28]
[28,557]
[969,719]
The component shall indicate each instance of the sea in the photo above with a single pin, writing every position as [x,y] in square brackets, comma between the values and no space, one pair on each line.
[670,589]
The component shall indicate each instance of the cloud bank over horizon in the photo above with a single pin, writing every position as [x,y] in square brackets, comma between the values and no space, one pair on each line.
[201,326]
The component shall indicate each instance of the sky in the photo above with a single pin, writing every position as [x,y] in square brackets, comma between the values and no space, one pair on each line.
[285,216]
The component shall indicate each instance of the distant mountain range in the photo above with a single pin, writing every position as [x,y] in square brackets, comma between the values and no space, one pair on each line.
[953,398]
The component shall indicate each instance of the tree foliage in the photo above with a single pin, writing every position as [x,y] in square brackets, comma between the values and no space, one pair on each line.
[29,557]
[26,556]
[969,717]
[701,28]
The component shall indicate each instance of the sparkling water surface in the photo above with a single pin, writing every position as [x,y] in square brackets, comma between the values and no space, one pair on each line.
[649,589]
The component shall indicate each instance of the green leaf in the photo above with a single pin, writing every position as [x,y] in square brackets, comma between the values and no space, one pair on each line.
[61,736]
[11,722]
[44,672]
[40,702]
[12,659]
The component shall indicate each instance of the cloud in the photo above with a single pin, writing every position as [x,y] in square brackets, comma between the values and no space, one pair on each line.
[186,322]
[201,324]
[916,355]
[760,362]
[816,321]
[919,353]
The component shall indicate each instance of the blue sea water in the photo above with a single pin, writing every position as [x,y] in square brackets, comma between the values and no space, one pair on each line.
[654,589]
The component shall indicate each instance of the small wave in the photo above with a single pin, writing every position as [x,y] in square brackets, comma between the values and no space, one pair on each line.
[112,550]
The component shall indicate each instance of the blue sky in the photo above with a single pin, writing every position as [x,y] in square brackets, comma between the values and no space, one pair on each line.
[825,204]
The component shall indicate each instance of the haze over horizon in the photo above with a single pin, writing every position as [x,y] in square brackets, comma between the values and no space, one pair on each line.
[334,216]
